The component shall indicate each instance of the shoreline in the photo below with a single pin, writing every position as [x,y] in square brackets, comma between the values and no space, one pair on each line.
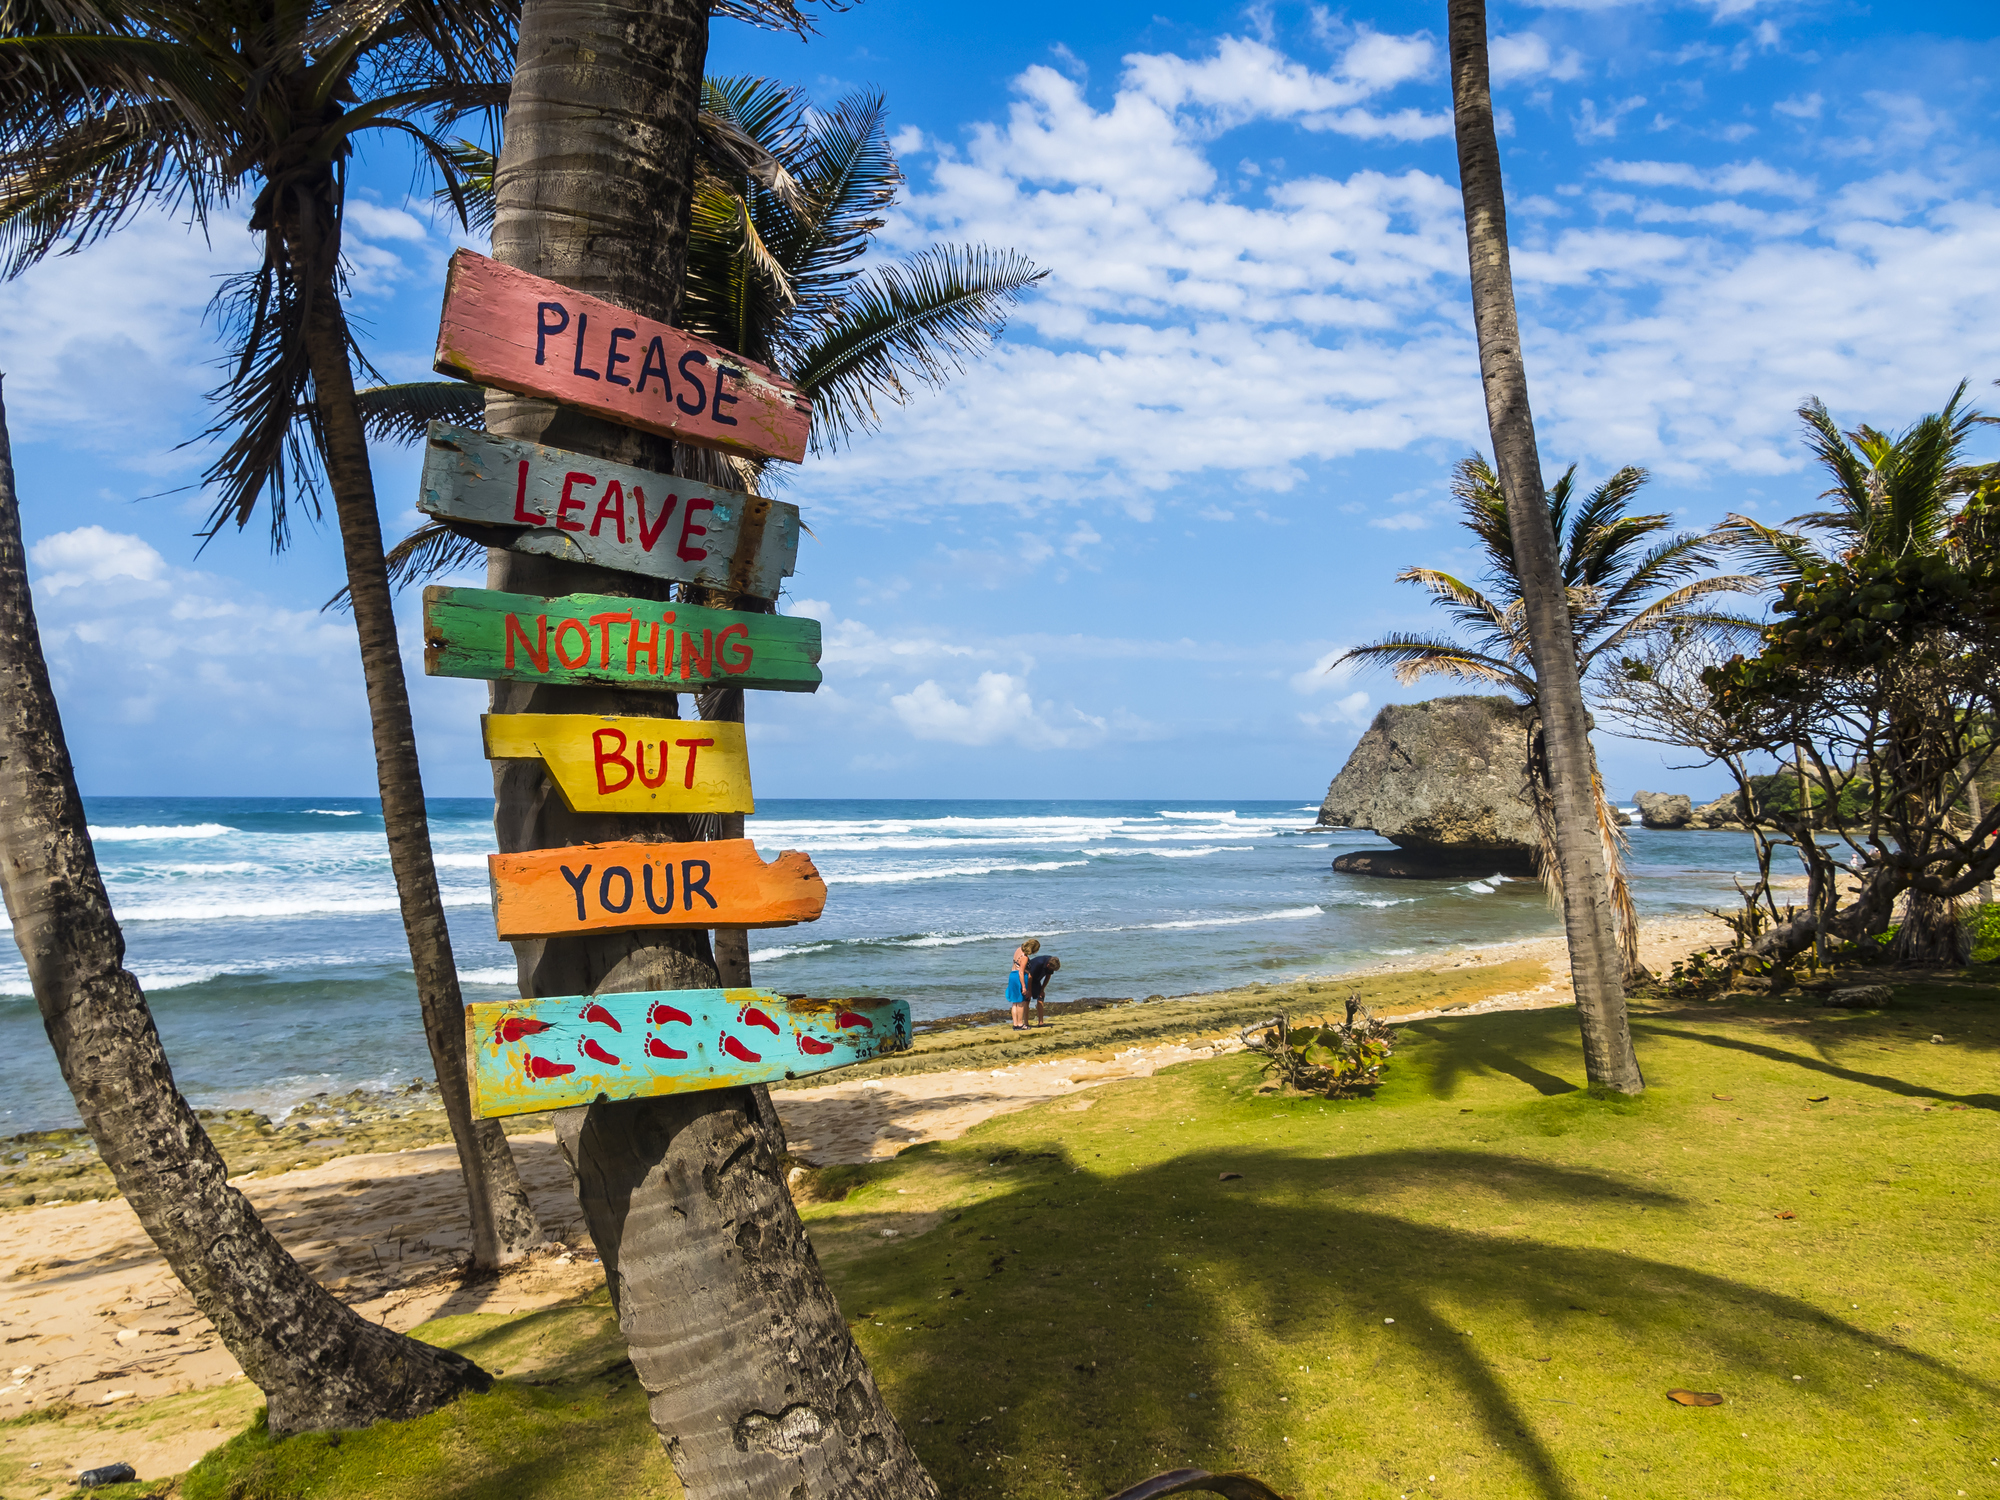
[47,1168]
[95,1322]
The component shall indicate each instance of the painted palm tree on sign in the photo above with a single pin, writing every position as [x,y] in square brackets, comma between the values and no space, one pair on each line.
[1623,576]
[110,107]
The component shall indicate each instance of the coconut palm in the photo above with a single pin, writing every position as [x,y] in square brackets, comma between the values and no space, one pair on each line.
[1623,576]
[318,1363]
[110,107]
[787,199]
[1594,958]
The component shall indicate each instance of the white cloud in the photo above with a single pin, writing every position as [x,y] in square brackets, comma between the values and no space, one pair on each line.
[90,554]
[1737,177]
[998,709]
[1528,55]
[134,641]
[1590,126]
[1408,520]
[1800,108]
[1326,673]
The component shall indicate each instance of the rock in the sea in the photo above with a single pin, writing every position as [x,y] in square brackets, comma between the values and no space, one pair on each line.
[1663,809]
[1725,812]
[1446,782]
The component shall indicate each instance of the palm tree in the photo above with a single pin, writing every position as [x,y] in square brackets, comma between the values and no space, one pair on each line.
[319,1364]
[786,199]
[756,1385]
[1623,577]
[111,106]
[1596,963]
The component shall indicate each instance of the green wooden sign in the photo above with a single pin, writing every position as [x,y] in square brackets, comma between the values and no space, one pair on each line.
[603,640]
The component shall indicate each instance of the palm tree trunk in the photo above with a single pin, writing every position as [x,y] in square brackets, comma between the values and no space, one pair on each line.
[319,1364]
[755,1385]
[504,1226]
[1596,962]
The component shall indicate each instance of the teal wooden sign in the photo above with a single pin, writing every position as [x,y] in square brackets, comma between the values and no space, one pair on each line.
[551,1053]
[590,510]
[603,640]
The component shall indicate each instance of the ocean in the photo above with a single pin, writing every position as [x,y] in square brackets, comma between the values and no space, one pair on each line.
[266,934]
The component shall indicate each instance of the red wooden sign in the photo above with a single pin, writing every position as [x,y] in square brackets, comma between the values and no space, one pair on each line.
[505,328]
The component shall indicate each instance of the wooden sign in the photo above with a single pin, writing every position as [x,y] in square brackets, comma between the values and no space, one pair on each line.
[527,1055]
[604,640]
[630,764]
[568,505]
[506,328]
[609,887]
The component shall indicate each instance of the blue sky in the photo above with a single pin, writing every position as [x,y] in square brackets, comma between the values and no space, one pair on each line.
[1115,557]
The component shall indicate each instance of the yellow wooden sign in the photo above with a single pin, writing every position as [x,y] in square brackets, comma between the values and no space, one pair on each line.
[630,764]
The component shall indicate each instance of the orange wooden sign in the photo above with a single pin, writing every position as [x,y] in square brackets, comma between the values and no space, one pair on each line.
[548,893]
[515,331]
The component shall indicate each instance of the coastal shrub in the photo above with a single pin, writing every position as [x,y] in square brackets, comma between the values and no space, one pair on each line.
[1342,1061]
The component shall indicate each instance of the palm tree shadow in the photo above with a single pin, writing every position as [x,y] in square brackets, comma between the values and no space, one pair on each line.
[1821,1066]
[1102,1338]
[1501,1044]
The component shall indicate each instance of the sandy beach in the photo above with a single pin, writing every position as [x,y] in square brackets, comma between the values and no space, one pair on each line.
[92,1317]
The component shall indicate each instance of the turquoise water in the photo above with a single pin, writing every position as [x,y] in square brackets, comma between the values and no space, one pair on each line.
[265,929]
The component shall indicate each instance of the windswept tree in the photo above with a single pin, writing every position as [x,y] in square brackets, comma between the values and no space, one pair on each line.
[319,1363]
[1876,678]
[111,107]
[1623,576]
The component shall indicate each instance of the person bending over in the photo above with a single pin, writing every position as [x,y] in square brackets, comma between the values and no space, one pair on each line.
[1040,968]
[1017,982]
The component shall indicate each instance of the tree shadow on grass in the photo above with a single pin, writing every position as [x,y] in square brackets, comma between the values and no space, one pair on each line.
[1073,1334]
[1467,1052]
[1822,1066]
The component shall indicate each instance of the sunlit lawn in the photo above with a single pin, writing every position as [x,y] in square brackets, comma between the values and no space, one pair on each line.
[1482,1283]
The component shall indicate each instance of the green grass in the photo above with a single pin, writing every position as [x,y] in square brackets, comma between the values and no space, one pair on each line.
[1075,1297]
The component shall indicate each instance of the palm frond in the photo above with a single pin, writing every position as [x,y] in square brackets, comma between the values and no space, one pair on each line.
[921,319]
[403,413]
[1769,554]
[431,549]
[1417,656]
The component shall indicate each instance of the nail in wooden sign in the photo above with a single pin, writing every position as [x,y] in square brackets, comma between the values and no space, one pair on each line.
[609,641]
[629,764]
[549,893]
[517,332]
[569,505]
[527,1055]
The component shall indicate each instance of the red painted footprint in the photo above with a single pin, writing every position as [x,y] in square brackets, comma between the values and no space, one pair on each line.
[657,1048]
[755,1017]
[600,1014]
[812,1046]
[738,1051]
[515,1027]
[849,1018]
[540,1068]
[591,1049]
[659,1015]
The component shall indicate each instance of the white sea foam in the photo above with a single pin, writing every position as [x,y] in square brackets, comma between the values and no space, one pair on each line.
[1289,914]
[140,832]
[460,861]
[335,812]
[1197,853]
[948,872]
[771,955]
[302,905]
[509,977]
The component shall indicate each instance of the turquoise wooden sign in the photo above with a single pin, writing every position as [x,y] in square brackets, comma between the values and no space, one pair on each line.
[554,1052]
